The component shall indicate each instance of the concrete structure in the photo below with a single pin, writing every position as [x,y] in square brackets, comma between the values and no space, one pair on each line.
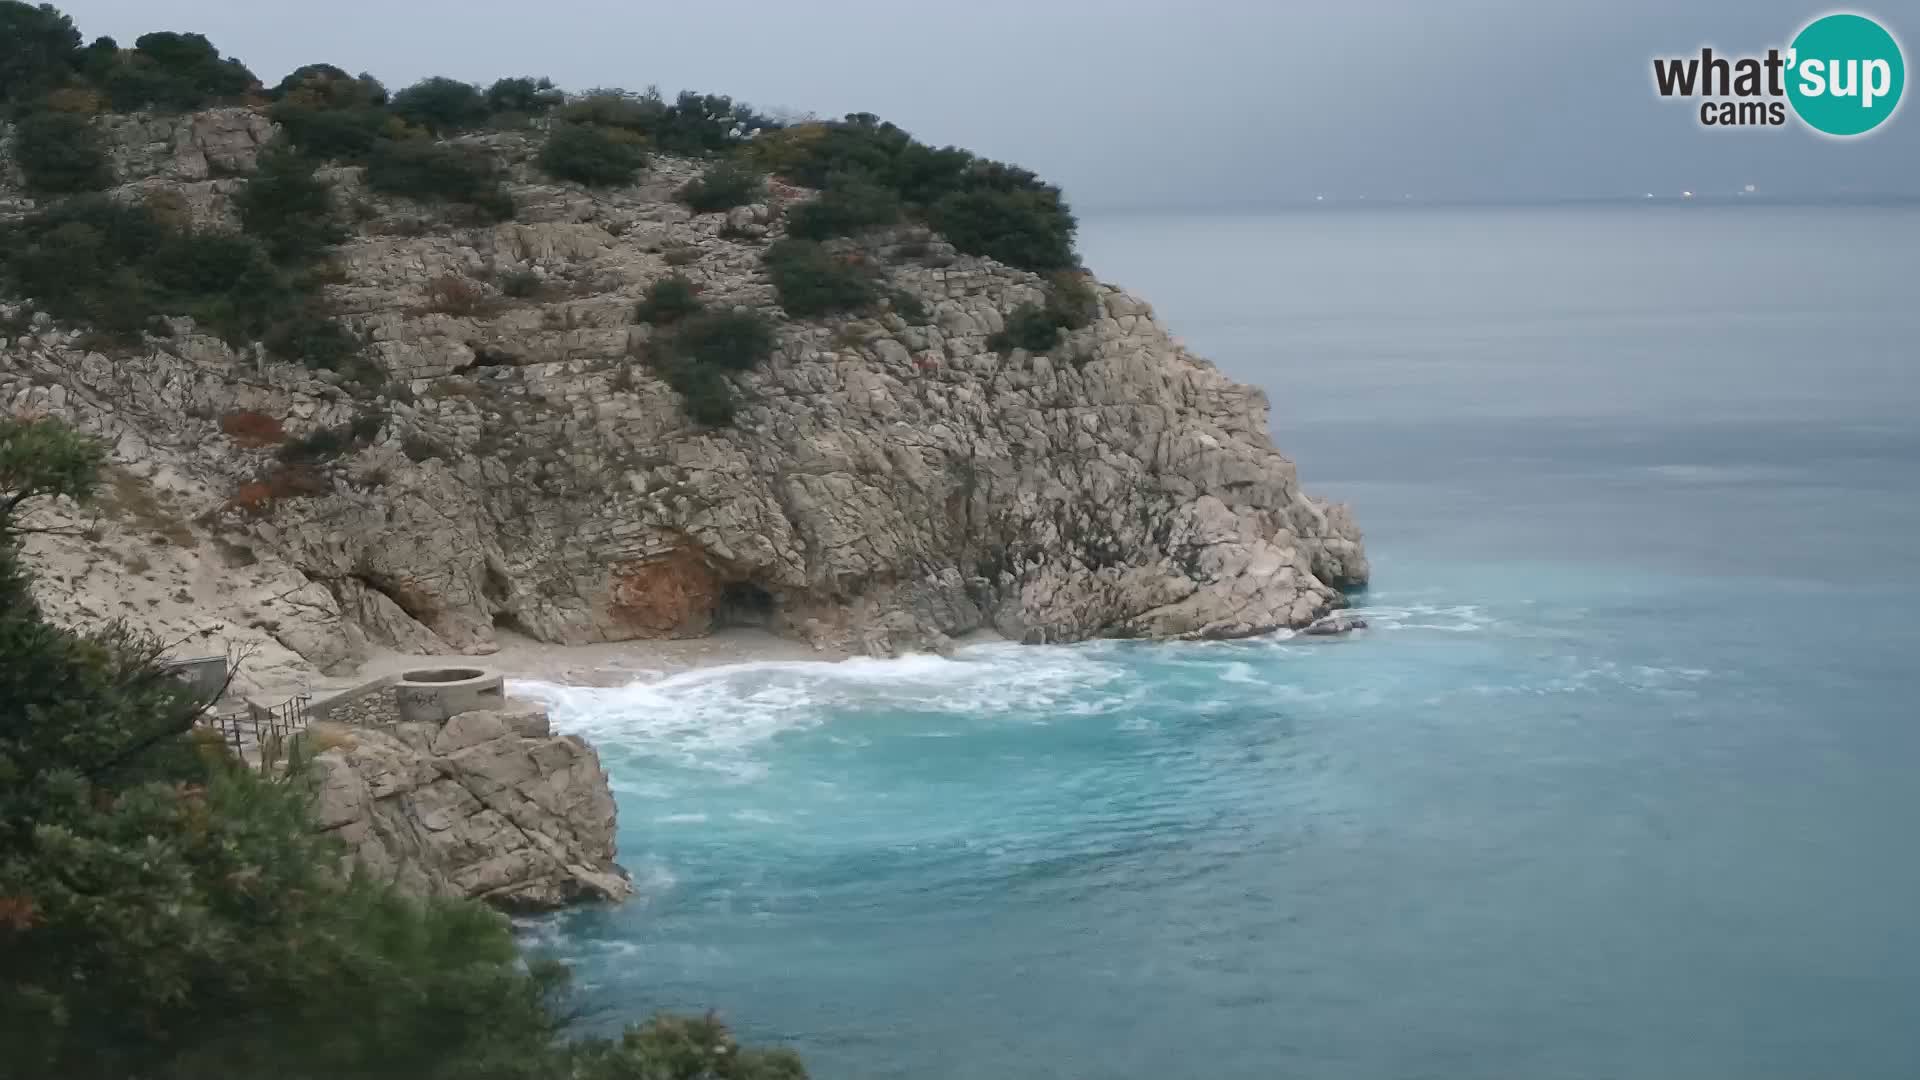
[436,695]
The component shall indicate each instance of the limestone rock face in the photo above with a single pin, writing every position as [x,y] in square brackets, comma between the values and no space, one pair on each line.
[890,481]
[491,806]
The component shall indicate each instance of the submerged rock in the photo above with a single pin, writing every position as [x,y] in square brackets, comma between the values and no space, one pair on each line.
[1334,626]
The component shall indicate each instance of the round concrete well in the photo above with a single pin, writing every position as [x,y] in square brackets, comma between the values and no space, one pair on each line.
[435,695]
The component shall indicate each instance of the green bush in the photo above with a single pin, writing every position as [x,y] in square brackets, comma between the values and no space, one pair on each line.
[526,96]
[287,208]
[1028,327]
[441,105]
[331,115]
[811,281]
[1030,229]
[706,395]
[419,449]
[168,912]
[596,157]
[92,262]
[431,171]
[984,207]
[723,187]
[681,1048]
[79,260]
[329,87]
[333,134]
[315,339]
[1070,299]
[726,340]
[520,284]
[849,205]
[39,48]
[60,154]
[318,445]
[699,125]
[173,71]
[910,307]
[669,299]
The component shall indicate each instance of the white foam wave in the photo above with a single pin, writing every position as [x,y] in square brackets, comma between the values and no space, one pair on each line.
[1445,618]
[708,717]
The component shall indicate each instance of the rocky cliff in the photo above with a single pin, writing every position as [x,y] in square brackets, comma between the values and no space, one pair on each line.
[889,481]
[490,806]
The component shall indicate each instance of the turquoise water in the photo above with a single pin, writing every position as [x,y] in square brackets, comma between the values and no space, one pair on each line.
[1622,782]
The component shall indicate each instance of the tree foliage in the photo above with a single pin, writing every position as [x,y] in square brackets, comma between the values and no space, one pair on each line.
[288,208]
[723,187]
[848,205]
[60,154]
[168,914]
[173,71]
[442,105]
[668,300]
[39,49]
[524,95]
[984,207]
[727,340]
[811,281]
[594,156]
[437,172]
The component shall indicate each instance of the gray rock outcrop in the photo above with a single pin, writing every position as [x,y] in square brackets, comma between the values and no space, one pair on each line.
[490,806]
[890,480]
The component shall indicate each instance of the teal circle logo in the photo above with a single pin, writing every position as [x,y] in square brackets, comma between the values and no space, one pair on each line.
[1845,74]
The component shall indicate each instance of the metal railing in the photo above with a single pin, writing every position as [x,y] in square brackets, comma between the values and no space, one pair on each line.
[256,733]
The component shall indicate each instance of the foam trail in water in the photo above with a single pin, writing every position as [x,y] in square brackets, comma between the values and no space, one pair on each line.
[737,706]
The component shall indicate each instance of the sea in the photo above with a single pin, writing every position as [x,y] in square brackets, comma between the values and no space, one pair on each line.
[1621,781]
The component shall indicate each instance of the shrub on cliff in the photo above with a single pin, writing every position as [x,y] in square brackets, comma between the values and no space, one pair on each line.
[166,912]
[1070,305]
[288,208]
[114,268]
[39,48]
[727,340]
[812,281]
[331,115]
[984,207]
[594,156]
[310,336]
[723,187]
[1028,327]
[60,153]
[442,105]
[175,71]
[334,134]
[705,394]
[669,299]
[431,171]
[524,96]
[1025,227]
[850,204]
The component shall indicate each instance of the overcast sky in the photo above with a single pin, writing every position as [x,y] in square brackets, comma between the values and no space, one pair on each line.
[1147,102]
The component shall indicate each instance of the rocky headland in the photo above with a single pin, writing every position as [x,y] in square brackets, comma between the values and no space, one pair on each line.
[891,479]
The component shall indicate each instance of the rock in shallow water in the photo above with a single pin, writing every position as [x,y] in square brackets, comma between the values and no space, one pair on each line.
[490,805]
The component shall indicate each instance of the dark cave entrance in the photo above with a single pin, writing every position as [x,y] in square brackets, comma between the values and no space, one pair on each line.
[743,603]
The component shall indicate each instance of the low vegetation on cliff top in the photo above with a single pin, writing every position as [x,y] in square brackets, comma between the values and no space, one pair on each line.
[168,913]
[119,268]
[870,171]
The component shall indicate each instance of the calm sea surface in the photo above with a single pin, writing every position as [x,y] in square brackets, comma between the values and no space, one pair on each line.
[1625,781]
